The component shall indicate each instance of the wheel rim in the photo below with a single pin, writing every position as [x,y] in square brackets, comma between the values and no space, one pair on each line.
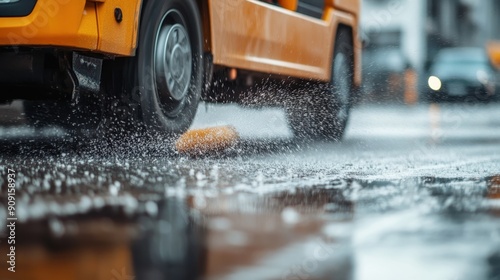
[173,63]
[342,85]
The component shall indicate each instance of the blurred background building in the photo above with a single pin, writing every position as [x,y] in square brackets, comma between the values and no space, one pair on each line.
[406,34]
[469,23]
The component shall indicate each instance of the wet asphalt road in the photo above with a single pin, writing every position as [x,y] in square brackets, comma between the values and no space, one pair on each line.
[413,192]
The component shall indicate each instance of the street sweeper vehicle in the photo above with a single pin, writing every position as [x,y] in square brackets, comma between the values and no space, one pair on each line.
[113,63]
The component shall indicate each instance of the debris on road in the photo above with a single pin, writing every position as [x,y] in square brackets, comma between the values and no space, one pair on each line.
[206,141]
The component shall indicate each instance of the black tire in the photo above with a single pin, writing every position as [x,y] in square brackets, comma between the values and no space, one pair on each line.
[160,87]
[322,113]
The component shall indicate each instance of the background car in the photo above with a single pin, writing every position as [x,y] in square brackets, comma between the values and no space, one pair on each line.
[462,73]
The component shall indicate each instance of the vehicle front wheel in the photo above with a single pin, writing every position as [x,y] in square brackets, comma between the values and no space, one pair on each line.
[161,86]
[320,111]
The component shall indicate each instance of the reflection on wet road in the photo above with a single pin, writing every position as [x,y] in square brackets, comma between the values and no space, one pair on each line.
[412,193]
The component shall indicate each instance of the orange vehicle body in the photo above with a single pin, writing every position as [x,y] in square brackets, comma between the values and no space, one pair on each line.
[76,24]
[493,49]
[244,34]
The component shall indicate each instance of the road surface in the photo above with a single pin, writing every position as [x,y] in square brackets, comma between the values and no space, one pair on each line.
[413,192]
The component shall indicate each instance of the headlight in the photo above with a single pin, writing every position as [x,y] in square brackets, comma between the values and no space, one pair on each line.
[482,76]
[434,83]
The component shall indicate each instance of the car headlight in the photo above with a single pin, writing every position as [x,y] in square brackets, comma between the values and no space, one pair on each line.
[483,76]
[434,83]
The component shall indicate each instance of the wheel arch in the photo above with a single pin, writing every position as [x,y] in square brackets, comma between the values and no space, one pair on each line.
[128,38]
[346,22]
[118,26]
[203,11]
[202,8]
[205,20]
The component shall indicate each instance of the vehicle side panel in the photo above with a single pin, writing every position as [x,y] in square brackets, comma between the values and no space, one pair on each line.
[351,6]
[118,37]
[255,36]
[347,19]
[78,24]
[65,23]
[246,34]
[347,12]
[289,4]
[252,35]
